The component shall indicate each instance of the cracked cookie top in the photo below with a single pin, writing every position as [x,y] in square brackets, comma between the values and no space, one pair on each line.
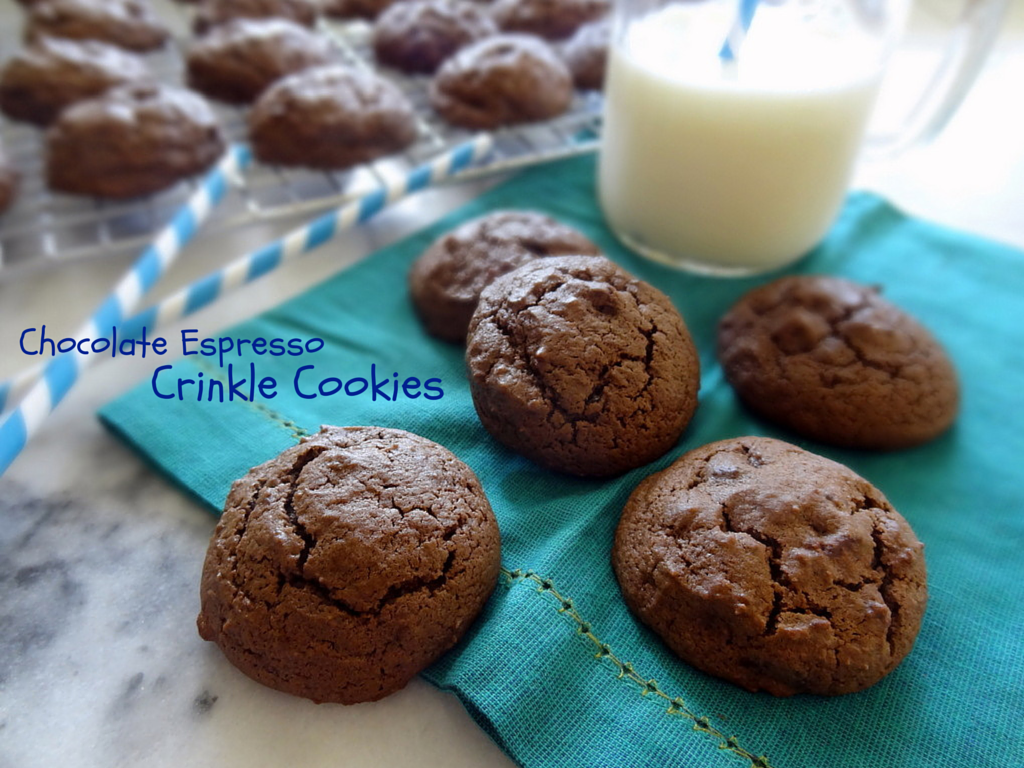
[551,19]
[581,367]
[347,564]
[773,568]
[834,361]
[417,36]
[330,117]
[446,281]
[128,24]
[501,80]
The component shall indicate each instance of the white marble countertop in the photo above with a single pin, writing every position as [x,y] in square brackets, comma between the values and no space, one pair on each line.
[100,661]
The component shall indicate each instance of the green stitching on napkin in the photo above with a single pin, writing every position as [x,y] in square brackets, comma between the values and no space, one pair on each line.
[269,413]
[626,672]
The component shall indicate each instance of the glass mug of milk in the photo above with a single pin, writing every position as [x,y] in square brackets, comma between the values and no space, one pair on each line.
[731,127]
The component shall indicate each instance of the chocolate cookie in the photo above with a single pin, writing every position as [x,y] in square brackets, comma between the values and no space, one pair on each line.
[8,181]
[773,568]
[586,54]
[236,61]
[52,73]
[356,9]
[126,23]
[349,563]
[833,361]
[551,19]
[330,117]
[417,36]
[502,80]
[211,13]
[581,367]
[133,140]
[446,281]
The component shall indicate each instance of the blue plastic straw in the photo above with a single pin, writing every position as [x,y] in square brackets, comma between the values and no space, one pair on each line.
[738,33]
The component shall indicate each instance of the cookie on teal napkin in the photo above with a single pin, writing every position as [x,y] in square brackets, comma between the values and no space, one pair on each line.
[556,670]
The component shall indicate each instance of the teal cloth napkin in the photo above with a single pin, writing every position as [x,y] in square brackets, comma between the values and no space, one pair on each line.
[556,670]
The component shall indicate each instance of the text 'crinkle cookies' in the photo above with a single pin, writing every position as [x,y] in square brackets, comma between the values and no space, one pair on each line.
[773,568]
[346,565]
[834,361]
[581,367]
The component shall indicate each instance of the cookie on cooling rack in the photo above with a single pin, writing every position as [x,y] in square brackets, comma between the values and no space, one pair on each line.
[8,181]
[417,36]
[45,77]
[126,23]
[133,140]
[210,13]
[581,367]
[551,19]
[345,566]
[356,9]
[502,80]
[586,54]
[446,281]
[834,361]
[330,117]
[237,61]
[773,568]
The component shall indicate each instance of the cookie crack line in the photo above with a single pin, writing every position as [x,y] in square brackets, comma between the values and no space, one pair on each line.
[308,543]
[885,586]
[626,672]
[780,582]
[549,394]
[240,530]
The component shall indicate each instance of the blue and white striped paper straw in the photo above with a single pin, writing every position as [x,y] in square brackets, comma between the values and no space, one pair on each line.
[738,31]
[16,430]
[300,241]
[150,266]
[58,376]
[12,390]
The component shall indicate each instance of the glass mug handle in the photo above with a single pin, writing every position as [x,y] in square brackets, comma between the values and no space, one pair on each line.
[963,59]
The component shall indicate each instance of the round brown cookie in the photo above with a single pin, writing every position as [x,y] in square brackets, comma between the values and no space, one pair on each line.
[551,19]
[236,61]
[126,23]
[502,80]
[417,36]
[349,563]
[52,73]
[581,367]
[356,9]
[132,140]
[833,361]
[8,181]
[773,568]
[586,54]
[446,281]
[330,117]
[211,13]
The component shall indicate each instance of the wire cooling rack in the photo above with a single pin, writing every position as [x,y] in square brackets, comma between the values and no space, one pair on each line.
[45,229]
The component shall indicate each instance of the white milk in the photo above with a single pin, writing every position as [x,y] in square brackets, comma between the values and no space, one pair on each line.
[737,167]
